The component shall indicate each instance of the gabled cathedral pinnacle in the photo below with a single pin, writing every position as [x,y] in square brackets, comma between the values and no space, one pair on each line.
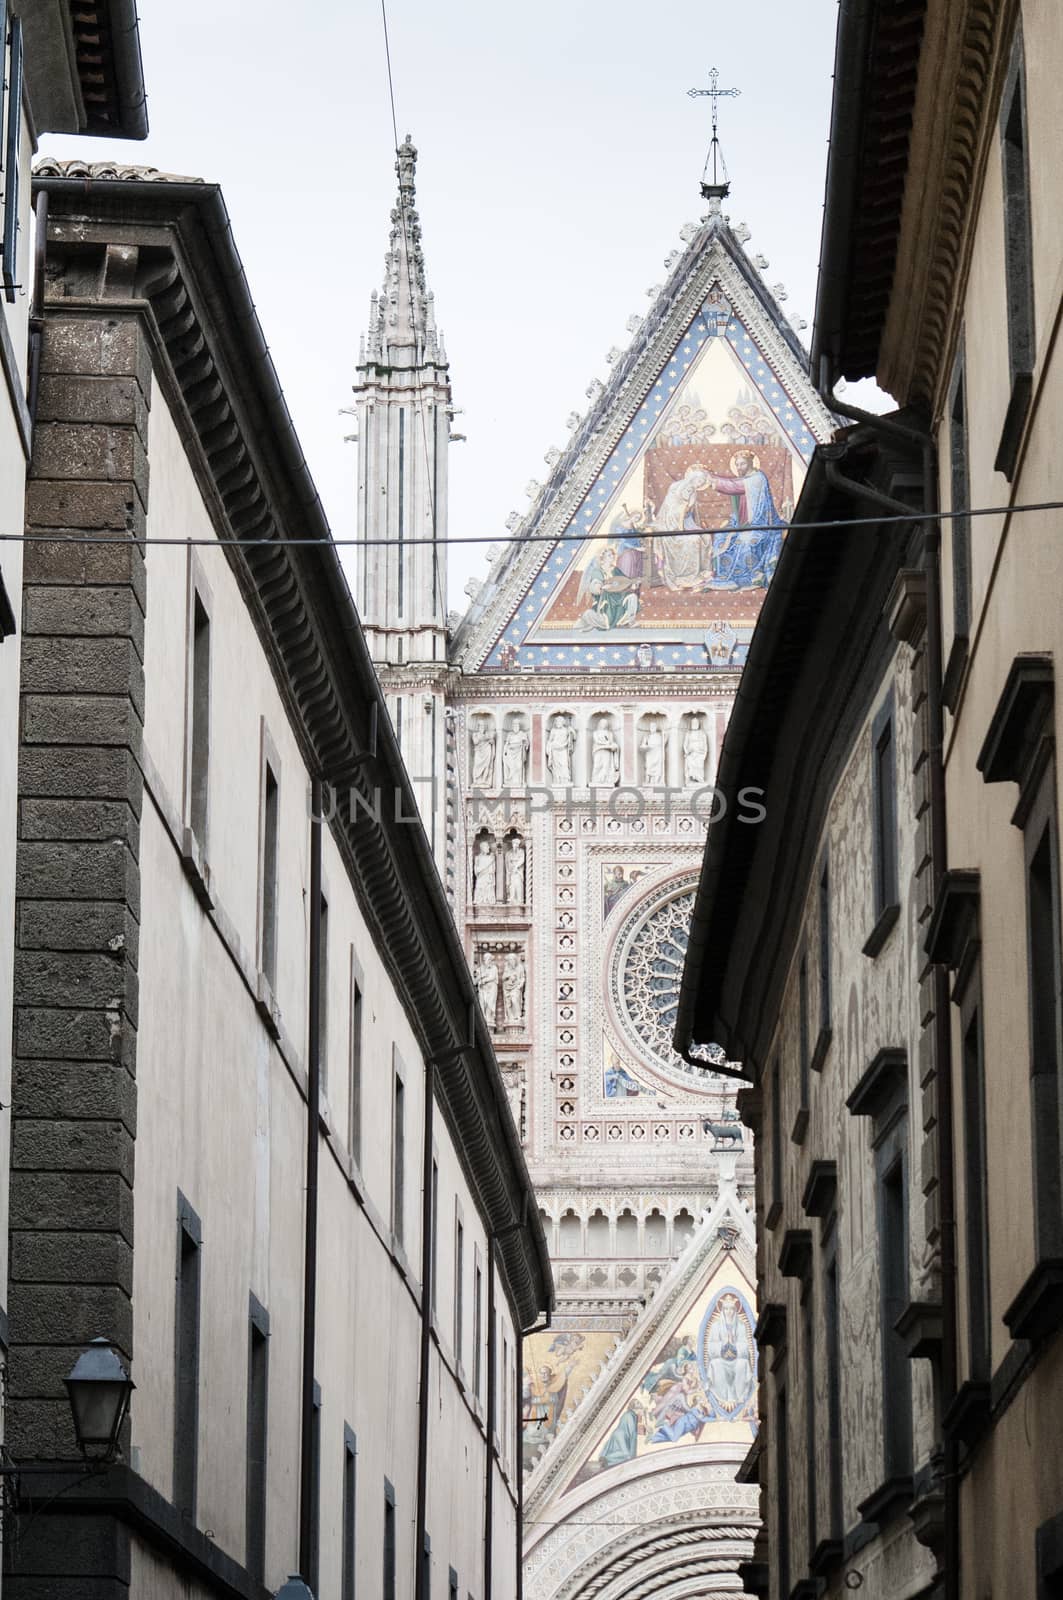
[402,325]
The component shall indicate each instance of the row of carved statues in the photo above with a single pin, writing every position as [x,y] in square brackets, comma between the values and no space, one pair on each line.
[605,751]
[510,980]
[485,865]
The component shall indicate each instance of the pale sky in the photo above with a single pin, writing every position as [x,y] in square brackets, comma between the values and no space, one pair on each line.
[559,156]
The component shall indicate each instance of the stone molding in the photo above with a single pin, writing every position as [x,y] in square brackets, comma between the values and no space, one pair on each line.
[952,135]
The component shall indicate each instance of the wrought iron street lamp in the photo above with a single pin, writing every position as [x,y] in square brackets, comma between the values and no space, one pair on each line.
[99,1388]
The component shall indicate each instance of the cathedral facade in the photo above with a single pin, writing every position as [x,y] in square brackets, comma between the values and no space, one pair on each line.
[563,738]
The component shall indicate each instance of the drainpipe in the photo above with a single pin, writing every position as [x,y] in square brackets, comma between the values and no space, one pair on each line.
[489,1483]
[427,1290]
[313,1102]
[887,428]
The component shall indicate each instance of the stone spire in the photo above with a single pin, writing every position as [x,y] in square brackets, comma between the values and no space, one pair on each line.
[404,409]
[402,325]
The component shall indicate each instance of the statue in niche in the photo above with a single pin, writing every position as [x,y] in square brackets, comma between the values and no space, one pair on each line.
[514,980]
[605,757]
[483,755]
[515,757]
[515,860]
[695,754]
[486,979]
[653,755]
[484,880]
[559,744]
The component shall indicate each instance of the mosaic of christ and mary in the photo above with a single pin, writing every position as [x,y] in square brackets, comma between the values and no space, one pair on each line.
[698,1379]
[676,547]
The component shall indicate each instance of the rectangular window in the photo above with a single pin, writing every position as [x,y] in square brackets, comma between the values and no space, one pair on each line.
[804,1051]
[257,1414]
[1018,240]
[433,1268]
[960,477]
[808,1341]
[782,1490]
[1044,945]
[314,1576]
[976,1184]
[893,1290]
[398,1157]
[268,873]
[775,1202]
[186,1361]
[459,1290]
[884,789]
[477,1328]
[834,1396]
[350,1512]
[504,1408]
[322,990]
[199,722]
[354,1132]
[388,1590]
[824,947]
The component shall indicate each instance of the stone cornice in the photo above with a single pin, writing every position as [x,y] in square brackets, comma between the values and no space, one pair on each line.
[952,135]
[637,687]
[163,253]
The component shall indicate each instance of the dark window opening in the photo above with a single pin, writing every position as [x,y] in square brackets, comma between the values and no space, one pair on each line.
[977,1224]
[388,1590]
[896,1367]
[398,1158]
[782,1493]
[355,1109]
[199,741]
[257,1418]
[186,1362]
[1018,239]
[350,1507]
[960,526]
[884,789]
[322,993]
[270,820]
[824,947]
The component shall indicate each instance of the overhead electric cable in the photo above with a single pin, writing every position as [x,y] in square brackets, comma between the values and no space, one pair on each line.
[837,525]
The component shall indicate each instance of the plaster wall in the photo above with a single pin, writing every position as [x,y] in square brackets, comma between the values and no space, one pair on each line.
[221,1117]
[1016,1478]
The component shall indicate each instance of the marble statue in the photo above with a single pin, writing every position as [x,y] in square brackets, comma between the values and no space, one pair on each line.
[484,884]
[695,754]
[486,978]
[515,757]
[653,754]
[514,979]
[514,862]
[483,755]
[605,757]
[559,743]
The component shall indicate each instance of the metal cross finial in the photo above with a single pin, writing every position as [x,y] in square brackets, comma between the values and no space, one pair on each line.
[719,186]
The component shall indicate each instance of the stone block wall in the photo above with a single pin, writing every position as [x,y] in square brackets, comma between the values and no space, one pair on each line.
[77,895]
